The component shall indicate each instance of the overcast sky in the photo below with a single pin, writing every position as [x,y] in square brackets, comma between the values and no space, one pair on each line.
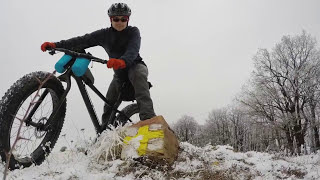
[199,53]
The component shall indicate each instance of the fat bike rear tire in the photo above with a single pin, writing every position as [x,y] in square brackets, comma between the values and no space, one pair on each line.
[131,111]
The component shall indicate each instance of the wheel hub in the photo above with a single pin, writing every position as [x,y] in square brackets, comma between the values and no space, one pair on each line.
[38,132]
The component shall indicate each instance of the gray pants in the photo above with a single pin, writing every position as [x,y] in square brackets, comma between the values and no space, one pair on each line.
[138,76]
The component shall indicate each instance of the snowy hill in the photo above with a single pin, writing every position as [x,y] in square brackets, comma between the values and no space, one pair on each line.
[209,162]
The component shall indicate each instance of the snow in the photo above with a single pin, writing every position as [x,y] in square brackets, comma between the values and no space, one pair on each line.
[130,149]
[99,159]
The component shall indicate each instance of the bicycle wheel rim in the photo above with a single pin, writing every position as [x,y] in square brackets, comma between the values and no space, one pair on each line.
[31,139]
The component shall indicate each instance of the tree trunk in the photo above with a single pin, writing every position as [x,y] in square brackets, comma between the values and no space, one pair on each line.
[236,137]
[277,140]
[186,136]
[316,138]
[289,141]
[315,133]
[299,137]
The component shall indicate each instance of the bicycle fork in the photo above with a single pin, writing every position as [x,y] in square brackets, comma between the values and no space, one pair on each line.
[45,127]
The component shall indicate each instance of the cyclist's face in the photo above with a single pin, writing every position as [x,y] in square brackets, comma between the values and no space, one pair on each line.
[119,22]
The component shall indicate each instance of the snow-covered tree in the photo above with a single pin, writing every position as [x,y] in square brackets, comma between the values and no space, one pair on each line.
[285,86]
[186,129]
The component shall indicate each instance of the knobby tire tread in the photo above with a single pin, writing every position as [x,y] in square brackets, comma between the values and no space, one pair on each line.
[10,104]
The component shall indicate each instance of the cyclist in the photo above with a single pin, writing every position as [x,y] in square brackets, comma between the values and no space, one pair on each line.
[122,43]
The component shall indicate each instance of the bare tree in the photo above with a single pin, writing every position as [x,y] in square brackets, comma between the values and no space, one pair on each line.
[239,128]
[283,84]
[186,129]
[278,109]
[217,127]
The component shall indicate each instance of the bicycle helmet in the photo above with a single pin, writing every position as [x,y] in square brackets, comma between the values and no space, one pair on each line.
[119,9]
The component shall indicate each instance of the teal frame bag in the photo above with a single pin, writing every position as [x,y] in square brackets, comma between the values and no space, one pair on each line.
[62,62]
[80,66]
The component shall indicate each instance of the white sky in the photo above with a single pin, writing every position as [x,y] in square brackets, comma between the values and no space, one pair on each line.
[199,53]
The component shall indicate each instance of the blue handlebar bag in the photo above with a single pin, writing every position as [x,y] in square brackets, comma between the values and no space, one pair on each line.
[80,67]
[62,62]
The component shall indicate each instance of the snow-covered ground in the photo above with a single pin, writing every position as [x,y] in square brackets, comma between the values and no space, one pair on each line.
[209,162]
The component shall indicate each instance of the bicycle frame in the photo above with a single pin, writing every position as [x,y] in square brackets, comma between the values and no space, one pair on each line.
[81,82]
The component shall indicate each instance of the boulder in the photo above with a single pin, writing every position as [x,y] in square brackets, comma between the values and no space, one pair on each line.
[151,139]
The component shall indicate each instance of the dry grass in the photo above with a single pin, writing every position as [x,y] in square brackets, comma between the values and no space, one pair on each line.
[296,172]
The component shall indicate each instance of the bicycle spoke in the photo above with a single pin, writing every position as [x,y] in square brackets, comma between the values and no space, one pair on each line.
[25,146]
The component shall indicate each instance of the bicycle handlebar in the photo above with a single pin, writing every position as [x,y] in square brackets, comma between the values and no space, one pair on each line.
[52,51]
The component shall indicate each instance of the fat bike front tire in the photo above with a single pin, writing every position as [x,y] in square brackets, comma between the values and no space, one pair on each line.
[34,144]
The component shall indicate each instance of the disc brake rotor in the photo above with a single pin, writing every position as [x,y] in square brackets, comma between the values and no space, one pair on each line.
[37,132]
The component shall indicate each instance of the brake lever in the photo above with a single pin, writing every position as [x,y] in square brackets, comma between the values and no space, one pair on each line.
[52,52]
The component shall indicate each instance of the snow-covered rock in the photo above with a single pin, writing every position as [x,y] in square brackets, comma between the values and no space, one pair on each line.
[152,139]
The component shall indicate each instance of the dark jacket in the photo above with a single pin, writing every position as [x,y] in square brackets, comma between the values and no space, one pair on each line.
[123,44]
